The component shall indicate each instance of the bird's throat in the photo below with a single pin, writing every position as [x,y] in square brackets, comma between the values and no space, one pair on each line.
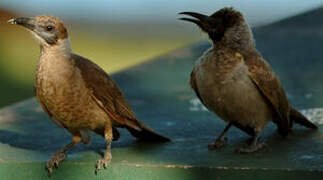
[61,48]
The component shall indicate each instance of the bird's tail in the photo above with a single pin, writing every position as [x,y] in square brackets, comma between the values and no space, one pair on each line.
[147,134]
[299,118]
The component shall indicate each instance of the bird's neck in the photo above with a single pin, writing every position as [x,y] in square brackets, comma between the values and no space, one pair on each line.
[55,59]
[55,62]
[237,46]
[239,39]
[61,48]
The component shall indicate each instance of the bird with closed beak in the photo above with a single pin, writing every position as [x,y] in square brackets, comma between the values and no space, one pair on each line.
[234,81]
[77,94]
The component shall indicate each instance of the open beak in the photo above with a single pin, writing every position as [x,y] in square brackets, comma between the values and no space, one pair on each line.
[200,19]
[24,21]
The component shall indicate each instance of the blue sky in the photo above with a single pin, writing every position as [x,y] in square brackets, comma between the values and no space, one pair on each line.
[256,11]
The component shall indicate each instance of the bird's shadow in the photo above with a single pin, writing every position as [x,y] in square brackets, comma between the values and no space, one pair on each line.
[44,143]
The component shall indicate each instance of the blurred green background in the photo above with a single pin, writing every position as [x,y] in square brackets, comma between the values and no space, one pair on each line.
[114,34]
[114,46]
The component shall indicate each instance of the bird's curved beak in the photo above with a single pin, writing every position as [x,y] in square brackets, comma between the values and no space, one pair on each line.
[201,19]
[27,22]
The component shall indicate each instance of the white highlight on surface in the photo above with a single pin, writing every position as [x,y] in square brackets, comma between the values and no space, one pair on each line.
[196,105]
[7,115]
[308,95]
[315,115]
[169,123]
[307,157]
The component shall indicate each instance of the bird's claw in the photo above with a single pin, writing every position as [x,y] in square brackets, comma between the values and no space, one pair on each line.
[104,162]
[54,162]
[49,170]
[218,143]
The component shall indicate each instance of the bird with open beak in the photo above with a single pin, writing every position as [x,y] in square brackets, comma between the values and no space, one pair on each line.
[77,94]
[234,81]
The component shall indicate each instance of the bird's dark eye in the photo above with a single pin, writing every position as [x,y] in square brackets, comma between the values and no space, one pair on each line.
[49,28]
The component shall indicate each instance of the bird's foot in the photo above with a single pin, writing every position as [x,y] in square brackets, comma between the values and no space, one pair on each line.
[104,162]
[252,148]
[218,144]
[54,161]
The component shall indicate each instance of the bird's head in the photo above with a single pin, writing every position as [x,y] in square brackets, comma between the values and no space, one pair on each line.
[48,30]
[226,25]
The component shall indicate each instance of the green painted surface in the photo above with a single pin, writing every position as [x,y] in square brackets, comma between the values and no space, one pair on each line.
[160,95]
[84,171]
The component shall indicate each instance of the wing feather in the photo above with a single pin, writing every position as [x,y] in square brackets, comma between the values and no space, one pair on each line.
[269,85]
[106,92]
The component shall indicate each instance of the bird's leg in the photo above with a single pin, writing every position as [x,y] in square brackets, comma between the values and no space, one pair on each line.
[59,156]
[253,147]
[219,142]
[105,161]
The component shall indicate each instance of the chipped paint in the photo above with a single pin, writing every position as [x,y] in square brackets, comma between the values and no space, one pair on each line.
[196,105]
[315,115]
[208,167]
[306,157]
[308,95]
[170,123]
[7,115]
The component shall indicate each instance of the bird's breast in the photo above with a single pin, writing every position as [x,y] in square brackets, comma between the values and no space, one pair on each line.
[57,78]
[227,90]
[60,87]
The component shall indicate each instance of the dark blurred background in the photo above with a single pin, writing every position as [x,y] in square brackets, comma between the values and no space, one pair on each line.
[116,34]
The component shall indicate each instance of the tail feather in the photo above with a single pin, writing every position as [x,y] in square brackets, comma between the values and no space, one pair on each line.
[147,134]
[299,118]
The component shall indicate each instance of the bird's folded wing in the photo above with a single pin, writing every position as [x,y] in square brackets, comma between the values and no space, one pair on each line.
[194,85]
[106,92]
[268,84]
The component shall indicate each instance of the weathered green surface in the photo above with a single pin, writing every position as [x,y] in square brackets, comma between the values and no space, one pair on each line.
[160,95]
[28,139]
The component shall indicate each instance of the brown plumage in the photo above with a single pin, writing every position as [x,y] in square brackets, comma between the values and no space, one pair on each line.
[233,80]
[77,94]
